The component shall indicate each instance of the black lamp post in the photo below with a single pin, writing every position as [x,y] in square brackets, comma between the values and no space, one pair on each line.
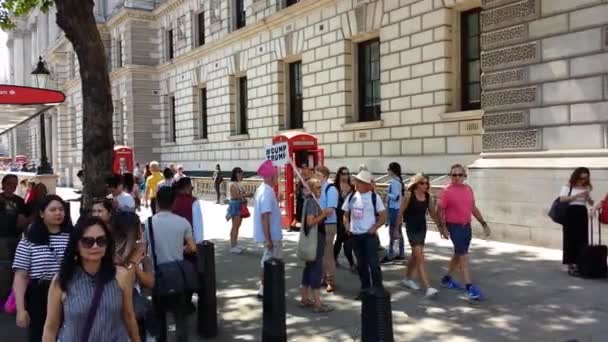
[41,76]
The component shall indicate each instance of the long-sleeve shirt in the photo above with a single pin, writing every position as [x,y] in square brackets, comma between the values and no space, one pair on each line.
[394,193]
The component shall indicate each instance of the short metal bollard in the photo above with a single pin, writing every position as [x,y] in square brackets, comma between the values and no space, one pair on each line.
[273,328]
[376,316]
[207,298]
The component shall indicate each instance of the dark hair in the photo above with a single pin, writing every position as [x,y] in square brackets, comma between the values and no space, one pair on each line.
[106,202]
[125,232]
[396,169]
[148,173]
[165,197]
[182,183]
[128,181]
[337,179]
[9,176]
[168,173]
[113,181]
[235,171]
[577,174]
[71,258]
[38,233]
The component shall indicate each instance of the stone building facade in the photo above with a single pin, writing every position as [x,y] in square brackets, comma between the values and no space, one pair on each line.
[514,88]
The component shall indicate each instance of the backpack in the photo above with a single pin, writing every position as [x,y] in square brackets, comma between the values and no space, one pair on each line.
[374,200]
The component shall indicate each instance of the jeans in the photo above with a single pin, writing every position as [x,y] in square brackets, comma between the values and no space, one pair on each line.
[394,231]
[36,297]
[176,304]
[217,191]
[313,270]
[366,250]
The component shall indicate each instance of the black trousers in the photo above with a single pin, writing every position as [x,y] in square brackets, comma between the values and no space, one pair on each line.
[176,305]
[343,239]
[36,298]
[217,191]
[153,205]
[366,249]
[576,236]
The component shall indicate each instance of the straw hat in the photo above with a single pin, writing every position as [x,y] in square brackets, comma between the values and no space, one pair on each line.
[365,177]
[415,180]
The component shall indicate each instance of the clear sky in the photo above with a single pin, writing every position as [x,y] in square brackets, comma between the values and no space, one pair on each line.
[4,67]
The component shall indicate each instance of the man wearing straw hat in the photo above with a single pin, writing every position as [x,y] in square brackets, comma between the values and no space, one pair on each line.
[366,214]
[267,218]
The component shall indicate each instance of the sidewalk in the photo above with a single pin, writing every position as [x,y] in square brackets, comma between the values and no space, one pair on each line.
[529,297]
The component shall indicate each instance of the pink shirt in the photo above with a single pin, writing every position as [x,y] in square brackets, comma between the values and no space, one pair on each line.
[458,202]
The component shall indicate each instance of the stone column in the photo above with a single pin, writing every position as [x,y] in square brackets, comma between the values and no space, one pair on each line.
[44,30]
[18,57]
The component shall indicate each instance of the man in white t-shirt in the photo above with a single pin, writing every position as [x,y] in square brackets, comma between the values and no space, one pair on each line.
[122,200]
[364,215]
[267,218]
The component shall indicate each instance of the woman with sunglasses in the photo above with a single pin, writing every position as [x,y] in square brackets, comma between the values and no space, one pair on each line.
[414,207]
[91,299]
[237,197]
[575,230]
[38,258]
[345,188]
[456,206]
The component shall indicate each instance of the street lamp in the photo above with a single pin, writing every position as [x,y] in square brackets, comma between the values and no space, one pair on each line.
[41,74]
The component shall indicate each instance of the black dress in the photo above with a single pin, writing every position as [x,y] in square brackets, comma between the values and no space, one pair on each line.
[575,233]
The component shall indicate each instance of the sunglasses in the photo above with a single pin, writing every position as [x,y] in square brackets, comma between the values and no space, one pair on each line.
[423,183]
[457,175]
[89,242]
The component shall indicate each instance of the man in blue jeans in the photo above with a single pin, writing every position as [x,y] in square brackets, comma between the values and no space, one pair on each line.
[365,217]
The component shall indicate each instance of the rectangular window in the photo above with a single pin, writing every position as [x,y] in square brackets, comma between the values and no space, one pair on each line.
[201,28]
[202,114]
[470,57]
[296,114]
[290,2]
[170,47]
[241,123]
[172,130]
[119,53]
[240,13]
[369,80]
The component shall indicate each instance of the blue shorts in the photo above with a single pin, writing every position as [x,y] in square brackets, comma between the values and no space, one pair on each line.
[461,235]
[234,208]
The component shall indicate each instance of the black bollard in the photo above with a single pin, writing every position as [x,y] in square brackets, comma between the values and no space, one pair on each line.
[376,316]
[207,298]
[273,328]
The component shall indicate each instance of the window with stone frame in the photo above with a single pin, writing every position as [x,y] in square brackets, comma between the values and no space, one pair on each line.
[240,14]
[118,122]
[241,107]
[171,118]
[200,29]
[470,59]
[119,53]
[294,84]
[203,122]
[368,74]
[170,45]
[291,2]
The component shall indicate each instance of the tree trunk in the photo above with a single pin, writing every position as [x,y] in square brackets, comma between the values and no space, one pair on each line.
[77,20]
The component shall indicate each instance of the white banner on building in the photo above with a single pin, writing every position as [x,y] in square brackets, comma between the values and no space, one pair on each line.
[278,154]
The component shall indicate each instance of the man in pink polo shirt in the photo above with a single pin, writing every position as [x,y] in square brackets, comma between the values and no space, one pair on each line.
[456,205]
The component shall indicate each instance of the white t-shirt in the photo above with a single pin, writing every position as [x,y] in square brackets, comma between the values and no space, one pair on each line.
[266,202]
[575,191]
[361,209]
[125,202]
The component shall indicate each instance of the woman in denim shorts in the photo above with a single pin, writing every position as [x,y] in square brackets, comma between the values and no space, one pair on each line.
[237,196]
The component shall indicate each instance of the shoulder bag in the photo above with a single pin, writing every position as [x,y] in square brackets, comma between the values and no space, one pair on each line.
[174,277]
[88,325]
[307,242]
[559,210]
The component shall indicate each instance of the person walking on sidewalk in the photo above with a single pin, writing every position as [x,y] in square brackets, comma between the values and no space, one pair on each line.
[267,218]
[123,201]
[329,203]
[414,207]
[365,214]
[394,198]
[575,230]
[152,185]
[238,198]
[456,205]
[217,182]
[345,187]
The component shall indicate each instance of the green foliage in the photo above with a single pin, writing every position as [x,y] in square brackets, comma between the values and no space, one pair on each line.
[9,9]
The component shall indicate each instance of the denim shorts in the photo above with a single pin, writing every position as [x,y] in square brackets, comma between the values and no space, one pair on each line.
[461,235]
[234,208]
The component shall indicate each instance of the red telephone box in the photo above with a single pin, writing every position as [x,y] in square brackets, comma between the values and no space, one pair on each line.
[303,148]
[123,160]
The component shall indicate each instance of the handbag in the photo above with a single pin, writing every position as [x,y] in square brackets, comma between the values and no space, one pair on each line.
[244,210]
[92,311]
[307,243]
[559,210]
[174,277]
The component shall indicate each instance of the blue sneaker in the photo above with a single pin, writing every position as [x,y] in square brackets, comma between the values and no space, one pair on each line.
[451,284]
[473,293]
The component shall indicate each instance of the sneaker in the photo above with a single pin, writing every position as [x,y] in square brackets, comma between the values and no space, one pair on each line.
[411,284]
[236,250]
[451,284]
[473,293]
[431,292]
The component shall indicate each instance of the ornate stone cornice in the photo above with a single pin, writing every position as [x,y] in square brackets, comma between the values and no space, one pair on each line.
[128,13]
[168,6]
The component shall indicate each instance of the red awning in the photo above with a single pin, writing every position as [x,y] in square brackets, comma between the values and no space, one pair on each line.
[18,104]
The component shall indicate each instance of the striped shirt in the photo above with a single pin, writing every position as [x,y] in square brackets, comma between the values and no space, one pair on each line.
[41,261]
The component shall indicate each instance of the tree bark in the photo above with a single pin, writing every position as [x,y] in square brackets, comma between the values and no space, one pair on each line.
[77,20]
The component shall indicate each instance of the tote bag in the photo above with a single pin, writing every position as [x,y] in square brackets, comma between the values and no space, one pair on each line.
[559,210]
[307,243]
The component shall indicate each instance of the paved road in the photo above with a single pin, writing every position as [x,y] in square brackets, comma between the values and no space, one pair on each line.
[529,297]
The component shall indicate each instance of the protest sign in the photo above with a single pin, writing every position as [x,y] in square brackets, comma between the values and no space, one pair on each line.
[278,154]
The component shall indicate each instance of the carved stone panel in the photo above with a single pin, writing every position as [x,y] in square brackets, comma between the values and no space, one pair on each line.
[485,4]
[512,56]
[503,79]
[503,37]
[509,141]
[510,98]
[509,14]
[505,120]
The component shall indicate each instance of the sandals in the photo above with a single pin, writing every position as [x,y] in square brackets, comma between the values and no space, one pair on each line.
[322,309]
[305,304]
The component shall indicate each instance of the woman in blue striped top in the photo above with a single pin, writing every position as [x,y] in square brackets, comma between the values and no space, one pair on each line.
[38,258]
[394,196]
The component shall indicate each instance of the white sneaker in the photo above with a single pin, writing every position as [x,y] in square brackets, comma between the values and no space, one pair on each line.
[411,284]
[236,250]
[431,292]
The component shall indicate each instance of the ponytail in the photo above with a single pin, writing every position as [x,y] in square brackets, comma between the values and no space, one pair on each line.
[396,169]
